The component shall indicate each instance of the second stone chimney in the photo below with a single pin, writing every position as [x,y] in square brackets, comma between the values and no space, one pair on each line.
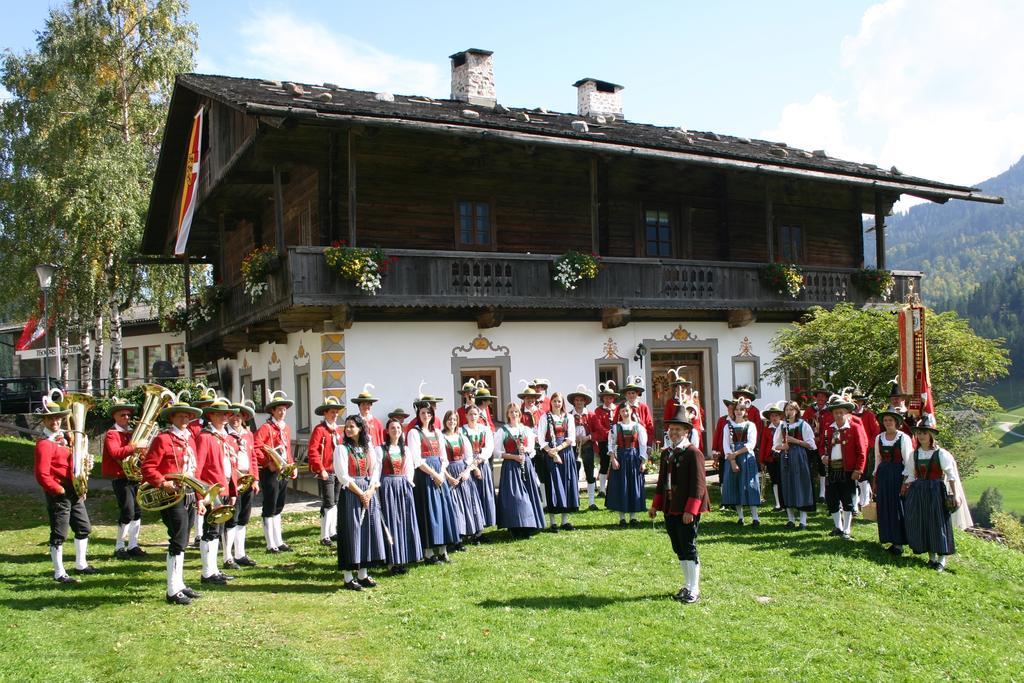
[473,77]
[597,98]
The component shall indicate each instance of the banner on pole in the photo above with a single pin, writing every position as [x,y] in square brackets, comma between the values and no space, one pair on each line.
[188,190]
[914,380]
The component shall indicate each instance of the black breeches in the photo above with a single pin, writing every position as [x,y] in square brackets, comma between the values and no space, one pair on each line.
[124,492]
[275,492]
[839,488]
[588,461]
[683,536]
[178,520]
[243,509]
[67,509]
[330,492]
[604,461]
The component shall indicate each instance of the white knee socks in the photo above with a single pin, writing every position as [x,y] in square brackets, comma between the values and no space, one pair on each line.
[205,548]
[332,522]
[324,535]
[803,518]
[694,583]
[775,490]
[170,575]
[239,542]
[591,492]
[348,576]
[268,533]
[81,545]
[57,556]
[789,515]
[279,538]
[134,527]
[836,520]
[175,568]
[428,552]
[119,543]
[565,518]
[361,574]
[847,521]
[229,542]
[551,519]
[821,487]
[604,483]
[739,511]
[753,513]
[622,516]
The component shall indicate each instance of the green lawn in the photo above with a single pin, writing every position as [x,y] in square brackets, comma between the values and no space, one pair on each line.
[1002,466]
[15,452]
[588,605]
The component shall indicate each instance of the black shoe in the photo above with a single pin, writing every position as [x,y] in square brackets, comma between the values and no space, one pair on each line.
[894,549]
[66,579]
[740,521]
[552,529]
[214,578]
[395,571]
[778,509]
[939,567]
[402,569]
[568,527]
[121,554]
[226,577]
[622,522]
[191,593]
[836,531]
[245,561]
[790,525]
[756,522]
[433,559]
[326,542]
[178,598]
[137,552]
[273,551]
[284,548]
[634,522]
[690,598]
[367,582]
[459,548]
[593,508]
[352,586]
[680,594]
[195,542]
[803,527]
[600,494]
[231,564]
[89,569]
[334,538]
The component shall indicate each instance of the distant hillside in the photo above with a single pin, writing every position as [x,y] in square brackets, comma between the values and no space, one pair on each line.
[958,245]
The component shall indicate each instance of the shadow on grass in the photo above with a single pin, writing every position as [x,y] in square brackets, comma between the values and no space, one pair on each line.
[579,601]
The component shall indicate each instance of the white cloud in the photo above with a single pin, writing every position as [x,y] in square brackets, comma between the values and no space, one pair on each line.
[278,45]
[932,89]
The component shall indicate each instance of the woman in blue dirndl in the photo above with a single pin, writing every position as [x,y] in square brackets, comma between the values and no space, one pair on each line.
[469,516]
[794,440]
[398,505]
[481,442]
[627,440]
[519,506]
[361,541]
[929,522]
[557,436]
[741,483]
[893,450]
[435,510]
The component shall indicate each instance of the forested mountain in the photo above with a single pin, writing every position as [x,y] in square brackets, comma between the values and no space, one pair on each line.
[960,244]
[996,309]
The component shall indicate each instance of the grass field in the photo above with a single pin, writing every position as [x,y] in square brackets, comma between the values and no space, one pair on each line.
[587,605]
[1002,466]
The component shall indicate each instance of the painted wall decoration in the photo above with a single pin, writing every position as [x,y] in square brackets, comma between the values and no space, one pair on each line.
[611,349]
[479,343]
[679,334]
[332,361]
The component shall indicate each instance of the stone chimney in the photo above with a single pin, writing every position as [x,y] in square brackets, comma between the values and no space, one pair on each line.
[598,98]
[473,77]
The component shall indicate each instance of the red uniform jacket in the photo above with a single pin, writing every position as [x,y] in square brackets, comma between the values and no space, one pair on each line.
[716,438]
[601,421]
[321,448]
[855,446]
[375,429]
[531,416]
[754,415]
[412,423]
[671,406]
[54,466]
[765,454]
[819,419]
[168,453]
[681,484]
[485,412]
[245,441]
[116,447]
[272,436]
[870,422]
[642,415]
[211,451]
[196,426]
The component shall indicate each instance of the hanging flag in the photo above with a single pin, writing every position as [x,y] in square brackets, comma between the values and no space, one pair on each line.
[34,329]
[914,380]
[188,190]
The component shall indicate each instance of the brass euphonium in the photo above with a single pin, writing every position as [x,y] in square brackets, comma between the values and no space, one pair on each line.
[154,498]
[156,399]
[278,455]
[245,483]
[82,459]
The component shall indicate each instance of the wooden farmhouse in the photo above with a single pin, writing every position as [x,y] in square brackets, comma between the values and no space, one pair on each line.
[476,201]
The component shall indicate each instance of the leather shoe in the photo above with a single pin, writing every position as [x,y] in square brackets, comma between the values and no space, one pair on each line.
[680,594]
[179,598]
[756,522]
[191,593]
[214,578]
[568,527]
[121,554]
[226,577]
[690,598]
[634,522]
[88,569]
[137,552]
[284,548]
[368,582]
[230,564]
[326,542]
[433,559]
[66,579]
[622,522]
[553,528]
[352,586]
[273,551]
[593,508]
[245,561]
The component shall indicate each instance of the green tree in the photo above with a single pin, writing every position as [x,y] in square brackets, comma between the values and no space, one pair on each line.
[78,144]
[991,502]
[859,347]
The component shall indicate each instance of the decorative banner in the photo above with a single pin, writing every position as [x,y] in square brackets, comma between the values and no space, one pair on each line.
[914,380]
[188,190]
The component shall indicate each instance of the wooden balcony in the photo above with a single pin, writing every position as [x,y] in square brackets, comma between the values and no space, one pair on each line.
[304,291]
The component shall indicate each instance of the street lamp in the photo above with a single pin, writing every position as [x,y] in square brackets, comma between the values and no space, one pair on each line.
[45,272]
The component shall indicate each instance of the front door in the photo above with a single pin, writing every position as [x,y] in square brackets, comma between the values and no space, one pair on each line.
[490,375]
[661,362]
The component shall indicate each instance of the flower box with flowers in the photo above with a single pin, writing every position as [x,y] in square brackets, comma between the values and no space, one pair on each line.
[364,267]
[874,283]
[573,267]
[256,266]
[785,279]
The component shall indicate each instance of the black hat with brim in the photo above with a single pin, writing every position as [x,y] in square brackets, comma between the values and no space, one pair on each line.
[680,418]
[899,417]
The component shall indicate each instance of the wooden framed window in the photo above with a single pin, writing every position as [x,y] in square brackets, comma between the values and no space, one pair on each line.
[658,232]
[259,394]
[302,403]
[791,244]
[611,369]
[474,224]
[130,366]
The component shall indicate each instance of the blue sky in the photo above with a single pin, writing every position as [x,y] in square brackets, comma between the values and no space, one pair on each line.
[924,85]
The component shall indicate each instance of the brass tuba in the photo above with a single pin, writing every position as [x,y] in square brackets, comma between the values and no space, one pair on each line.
[154,498]
[280,458]
[156,399]
[82,459]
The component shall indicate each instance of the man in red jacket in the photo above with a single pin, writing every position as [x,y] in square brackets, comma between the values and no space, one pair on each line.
[54,469]
[235,556]
[116,447]
[217,457]
[324,440]
[819,417]
[276,435]
[174,451]
[869,421]
[682,494]
[844,457]
[601,422]
[374,428]
[641,411]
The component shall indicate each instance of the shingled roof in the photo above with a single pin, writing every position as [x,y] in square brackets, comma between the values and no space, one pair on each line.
[328,102]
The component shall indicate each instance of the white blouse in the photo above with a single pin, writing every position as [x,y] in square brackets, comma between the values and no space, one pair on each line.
[613,437]
[905,447]
[542,430]
[486,448]
[414,447]
[750,443]
[806,434]
[520,432]
[341,460]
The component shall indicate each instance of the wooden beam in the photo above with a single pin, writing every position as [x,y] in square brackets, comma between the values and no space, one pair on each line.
[723,219]
[254,178]
[615,317]
[351,188]
[741,317]
[769,220]
[343,316]
[278,211]
[879,231]
[488,317]
[595,232]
